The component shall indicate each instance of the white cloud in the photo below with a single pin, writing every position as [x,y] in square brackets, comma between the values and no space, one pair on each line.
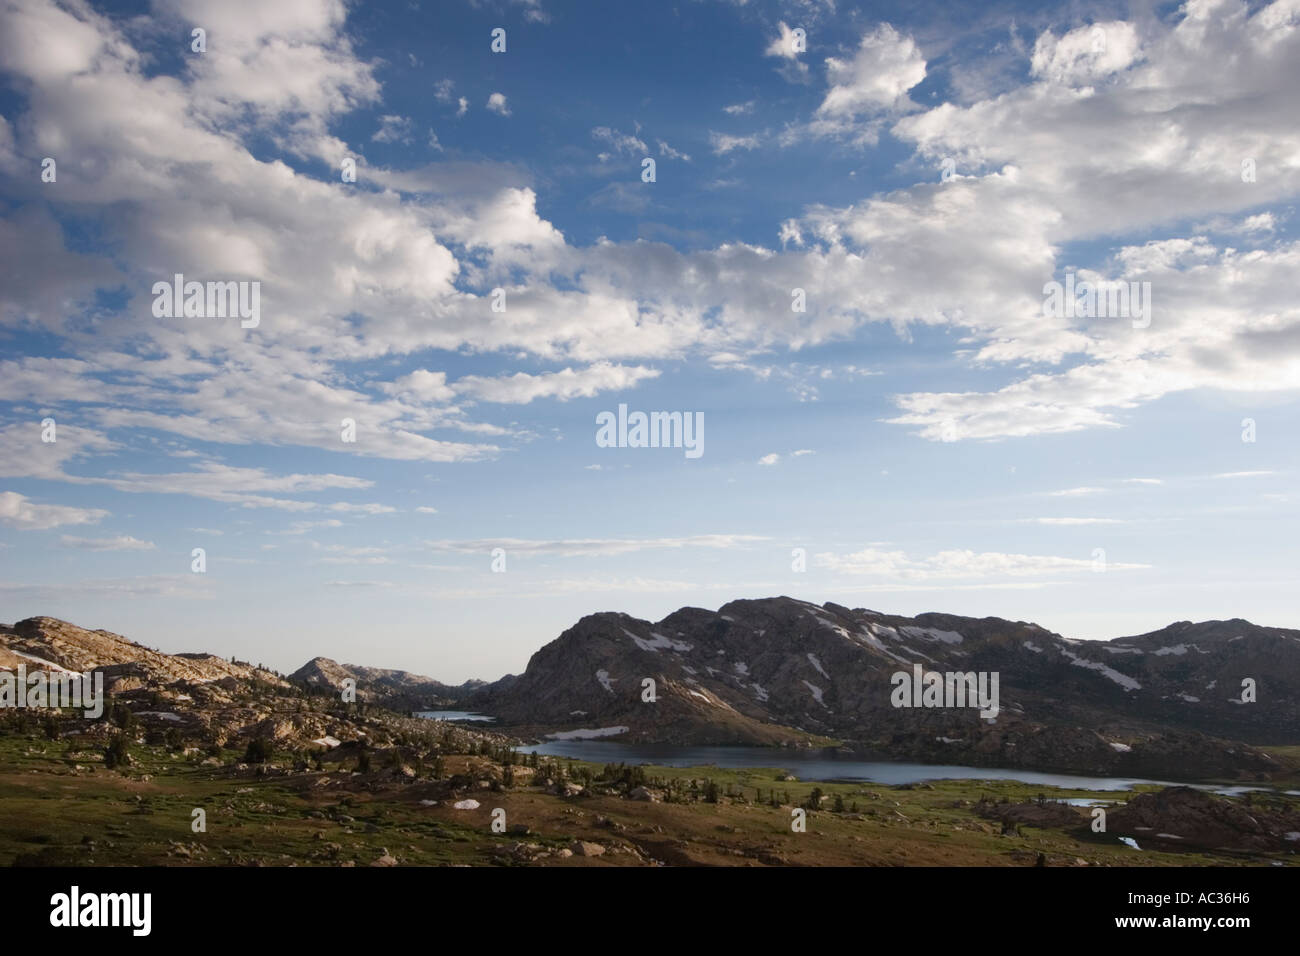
[21,512]
[666,150]
[723,143]
[496,103]
[302,527]
[354,275]
[624,143]
[785,43]
[522,388]
[393,129]
[1067,522]
[422,386]
[123,542]
[769,459]
[956,564]
[1086,54]
[885,66]
[370,508]
[594,547]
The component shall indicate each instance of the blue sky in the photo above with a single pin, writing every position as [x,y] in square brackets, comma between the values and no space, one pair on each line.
[925,433]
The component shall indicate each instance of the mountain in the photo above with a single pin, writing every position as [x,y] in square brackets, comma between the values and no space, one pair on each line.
[395,689]
[777,671]
[41,641]
[781,670]
[201,701]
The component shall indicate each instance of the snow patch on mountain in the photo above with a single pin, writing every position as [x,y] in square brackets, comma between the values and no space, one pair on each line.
[585,734]
[1123,680]
[812,659]
[657,642]
[816,692]
[932,634]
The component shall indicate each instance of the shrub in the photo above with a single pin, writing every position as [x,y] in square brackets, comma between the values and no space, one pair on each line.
[259,750]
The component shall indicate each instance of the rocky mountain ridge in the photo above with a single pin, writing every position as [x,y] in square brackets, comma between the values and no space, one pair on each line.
[396,689]
[781,670]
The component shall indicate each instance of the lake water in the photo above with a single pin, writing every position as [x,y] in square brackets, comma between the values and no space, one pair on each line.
[453,715]
[821,765]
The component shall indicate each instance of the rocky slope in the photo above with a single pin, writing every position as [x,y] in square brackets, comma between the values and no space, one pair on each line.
[396,689]
[1181,817]
[200,700]
[39,642]
[782,670]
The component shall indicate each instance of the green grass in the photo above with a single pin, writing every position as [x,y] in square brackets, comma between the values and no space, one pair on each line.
[50,814]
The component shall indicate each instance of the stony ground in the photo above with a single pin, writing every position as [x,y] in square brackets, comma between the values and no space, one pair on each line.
[59,805]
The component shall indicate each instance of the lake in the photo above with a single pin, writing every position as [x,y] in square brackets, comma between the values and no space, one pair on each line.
[453,715]
[825,765]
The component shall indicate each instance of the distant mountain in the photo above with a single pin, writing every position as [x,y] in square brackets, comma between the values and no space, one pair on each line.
[780,670]
[395,689]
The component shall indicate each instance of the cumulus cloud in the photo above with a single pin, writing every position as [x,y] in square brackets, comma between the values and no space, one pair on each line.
[357,274]
[1086,54]
[885,66]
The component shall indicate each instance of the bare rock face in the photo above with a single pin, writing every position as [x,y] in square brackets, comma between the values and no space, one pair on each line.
[1046,814]
[1183,816]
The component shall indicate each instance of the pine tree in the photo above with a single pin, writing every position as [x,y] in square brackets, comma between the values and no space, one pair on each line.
[116,753]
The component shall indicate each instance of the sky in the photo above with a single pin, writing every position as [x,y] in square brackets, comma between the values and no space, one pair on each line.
[826,232]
